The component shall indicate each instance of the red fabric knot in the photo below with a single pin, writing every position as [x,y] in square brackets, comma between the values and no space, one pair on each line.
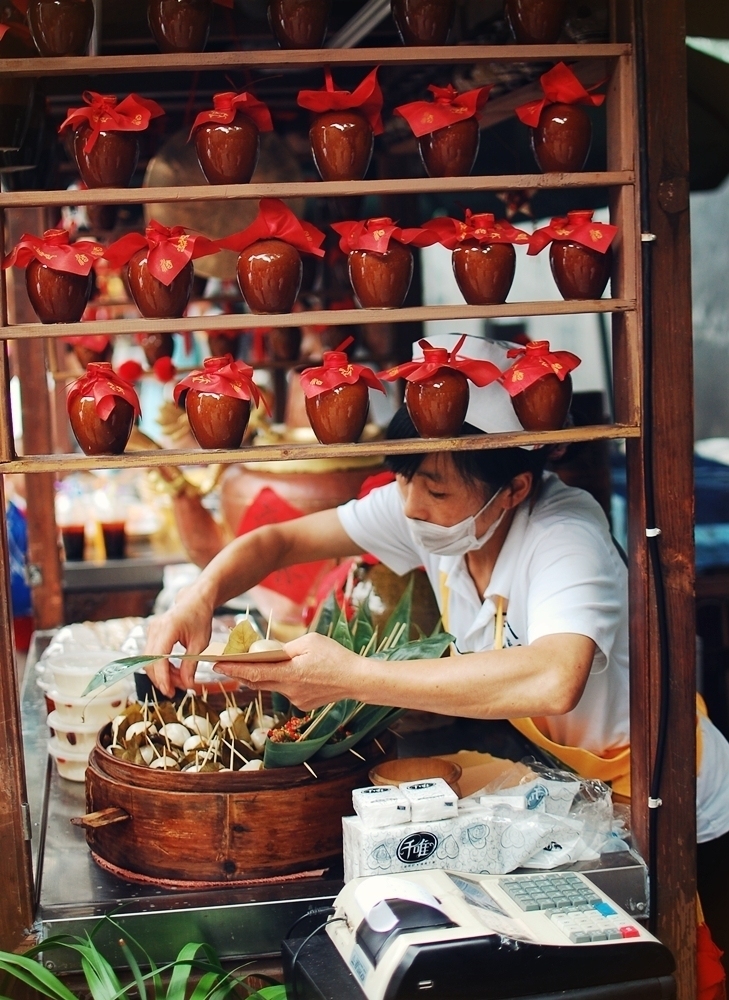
[560,86]
[336,370]
[366,97]
[55,251]
[576,226]
[103,114]
[164,370]
[170,249]
[375,235]
[482,227]
[481,373]
[130,371]
[228,104]
[275,220]
[534,361]
[105,385]
[222,376]
[447,107]
[96,342]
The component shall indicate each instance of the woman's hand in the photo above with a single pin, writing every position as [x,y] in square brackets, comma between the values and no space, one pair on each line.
[319,671]
[189,622]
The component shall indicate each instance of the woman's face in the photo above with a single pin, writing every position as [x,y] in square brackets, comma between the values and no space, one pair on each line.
[438,494]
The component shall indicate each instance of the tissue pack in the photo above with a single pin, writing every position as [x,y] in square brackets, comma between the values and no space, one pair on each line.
[381,805]
[430,799]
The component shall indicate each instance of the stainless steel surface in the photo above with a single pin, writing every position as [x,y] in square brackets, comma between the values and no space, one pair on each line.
[117,574]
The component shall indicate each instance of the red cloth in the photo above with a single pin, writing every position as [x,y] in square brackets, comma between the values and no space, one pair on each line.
[336,370]
[228,104]
[482,227]
[96,342]
[54,250]
[223,376]
[534,361]
[560,86]
[481,373]
[275,220]
[366,97]
[104,114]
[130,371]
[576,226]
[169,250]
[447,108]
[164,370]
[375,234]
[104,384]
[710,974]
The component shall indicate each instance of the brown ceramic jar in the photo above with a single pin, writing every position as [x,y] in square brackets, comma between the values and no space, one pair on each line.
[86,356]
[299,24]
[342,144]
[438,405]
[284,343]
[61,27]
[16,93]
[97,436]
[562,139]
[111,161]
[451,151]
[535,22]
[269,275]
[484,271]
[216,420]
[545,404]
[339,415]
[102,218]
[57,296]
[156,346]
[180,25]
[153,299]
[221,344]
[228,154]
[579,271]
[423,22]
[381,280]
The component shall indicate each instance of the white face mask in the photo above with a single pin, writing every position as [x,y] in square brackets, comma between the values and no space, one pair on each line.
[456,540]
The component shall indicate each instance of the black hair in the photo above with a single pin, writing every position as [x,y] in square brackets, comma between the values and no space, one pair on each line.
[493,466]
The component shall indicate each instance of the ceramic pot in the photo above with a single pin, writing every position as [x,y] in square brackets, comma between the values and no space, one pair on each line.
[228,154]
[339,415]
[438,405]
[284,343]
[342,144]
[16,94]
[156,346]
[180,25]
[545,404]
[112,160]
[299,24]
[102,218]
[381,280]
[451,151]
[579,272]
[217,421]
[423,22]
[269,275]
[535,22]
[86,356]
[57,296]
[61,27]
[484,271]
[97,436]
[221,344]
[153,299]
[562,139]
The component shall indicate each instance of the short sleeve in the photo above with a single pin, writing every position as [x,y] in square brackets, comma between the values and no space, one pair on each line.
[377,524]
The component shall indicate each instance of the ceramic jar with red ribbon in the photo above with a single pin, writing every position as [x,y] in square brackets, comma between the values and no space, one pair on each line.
[580,253]
[269,263]
[343,131]
[227,138]
[535,22]
[61,27]
[380,259]
[181,25]
[423,22]
[484,259]
[436,390]
[16,93]
[57,273]
[218,401]
[561,128]
[102,407]
[447,129]
[540,385]
[299,24]
[338,396]
[159,267]
[93,348]
[105,140]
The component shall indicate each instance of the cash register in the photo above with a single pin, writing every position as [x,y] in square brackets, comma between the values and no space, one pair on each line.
[451,936]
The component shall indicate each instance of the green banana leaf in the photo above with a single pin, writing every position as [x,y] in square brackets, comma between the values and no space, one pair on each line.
[117,670]
[364,723]
[402,612]
[430,648]
[328,614]
[291,754]
[362,628]
[341,633]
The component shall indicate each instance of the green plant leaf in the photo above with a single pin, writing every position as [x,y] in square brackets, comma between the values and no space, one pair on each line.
[36,976]
[291,754]
[183,965]
[205,986]
[327,616]
[402,613]
[366,721]
[341,633]
[134,966]
[117,670]
[270,993]
[431,648]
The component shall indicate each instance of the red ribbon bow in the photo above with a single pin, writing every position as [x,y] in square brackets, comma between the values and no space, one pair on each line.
[97,342]
[54,250]
[103,114]
[169,250]
[534,361]
[375,234]
[225,377]
[576,226]
[482,227]
[104,384]
[17,28]
[447,108]
[227,105]
[560,86]
[337,370]
[275,220]
[367,97]
[481,373]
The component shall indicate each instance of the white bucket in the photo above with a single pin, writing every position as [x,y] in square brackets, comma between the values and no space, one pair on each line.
[77,736]
[71,763]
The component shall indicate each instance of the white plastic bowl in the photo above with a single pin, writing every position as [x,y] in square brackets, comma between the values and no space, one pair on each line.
[71,673]
[98,707]
[71,763]
[74,735]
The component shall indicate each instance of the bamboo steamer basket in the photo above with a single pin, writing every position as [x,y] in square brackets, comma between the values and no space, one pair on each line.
[221,827]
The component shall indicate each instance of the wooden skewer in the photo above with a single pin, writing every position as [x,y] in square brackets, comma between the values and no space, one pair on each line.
[499,627]
[310,769]
[356,754]
[315,722]
[379,746]
[268,627]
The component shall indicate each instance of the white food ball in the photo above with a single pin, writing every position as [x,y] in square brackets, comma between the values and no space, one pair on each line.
[115,723]
[164,762]
[198,724]
[229,715]
[192,743]
[148,753]
[253,765]
[137,728]
[112,747]
[176,733]
[265,646]
[258,738]
[266,722]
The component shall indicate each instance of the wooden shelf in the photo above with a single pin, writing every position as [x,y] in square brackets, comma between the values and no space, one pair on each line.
[319,317]
[314,189]
[299,452]
[260,59]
